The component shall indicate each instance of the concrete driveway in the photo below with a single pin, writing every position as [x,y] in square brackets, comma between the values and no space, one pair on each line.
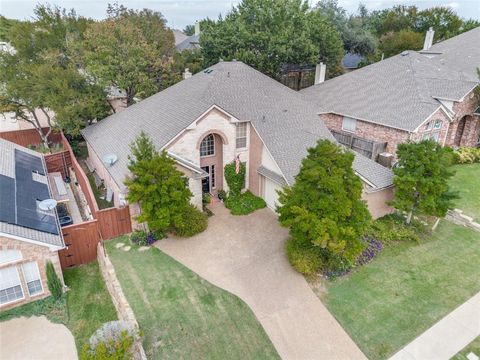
[245,255]
[35,338]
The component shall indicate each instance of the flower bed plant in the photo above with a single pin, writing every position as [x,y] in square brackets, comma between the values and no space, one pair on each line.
[142,238]
[244,204]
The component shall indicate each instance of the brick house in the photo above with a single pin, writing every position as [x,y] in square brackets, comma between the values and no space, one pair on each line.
[205,121]
[29,236]
[411,96]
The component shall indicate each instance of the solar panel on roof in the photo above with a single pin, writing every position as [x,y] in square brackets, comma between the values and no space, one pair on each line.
[29,193]
[7,199]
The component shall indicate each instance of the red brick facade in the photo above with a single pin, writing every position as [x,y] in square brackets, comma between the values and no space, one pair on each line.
[435,128]
[465,119]
[369,131]
[438,126]
[30,252]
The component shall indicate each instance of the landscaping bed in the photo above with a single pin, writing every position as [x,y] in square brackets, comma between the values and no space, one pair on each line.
[181,315]
[385,304]
[85,307]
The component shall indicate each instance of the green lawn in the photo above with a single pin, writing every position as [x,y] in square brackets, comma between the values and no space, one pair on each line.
[85,307]
[183,316]
[474,347]
[88,301]
[386,304]
[466,182]
[102,203]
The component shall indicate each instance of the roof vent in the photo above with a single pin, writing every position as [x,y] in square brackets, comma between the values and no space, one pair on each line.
[405,53]
[109,159]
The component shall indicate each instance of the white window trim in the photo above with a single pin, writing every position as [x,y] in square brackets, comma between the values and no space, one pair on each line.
[351,119]
[12,261]
[39,278]
[21,287]
[214,150]
[246,136]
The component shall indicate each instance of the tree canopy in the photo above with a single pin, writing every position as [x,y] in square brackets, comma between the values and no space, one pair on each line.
[267,34]
[157,186]
[40,75]
[421,179]
[129,50]
[323,209]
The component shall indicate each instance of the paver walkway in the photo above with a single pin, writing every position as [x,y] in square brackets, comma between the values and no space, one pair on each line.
[35,338]
[245,255]
[448,336]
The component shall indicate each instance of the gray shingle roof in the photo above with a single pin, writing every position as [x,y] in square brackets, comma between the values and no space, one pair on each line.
[7,168]
[401,91]
[190,43]
[284,120]
[272,175]
[178,36]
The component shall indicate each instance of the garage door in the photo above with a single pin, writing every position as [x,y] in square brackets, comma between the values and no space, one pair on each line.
[270,193]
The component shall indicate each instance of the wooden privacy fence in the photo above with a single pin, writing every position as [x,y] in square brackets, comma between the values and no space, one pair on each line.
[366,147]
[59,162]
[81,244]
[107,224]
[28,137]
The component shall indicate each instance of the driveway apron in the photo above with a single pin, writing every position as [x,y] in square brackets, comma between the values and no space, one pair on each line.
[245,255]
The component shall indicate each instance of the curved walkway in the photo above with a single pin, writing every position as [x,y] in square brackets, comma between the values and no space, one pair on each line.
[245,255]
[35,338]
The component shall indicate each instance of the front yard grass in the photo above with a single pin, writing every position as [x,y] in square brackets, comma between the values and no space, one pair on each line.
[387,303]
[83,309]
[466,183]
[183,316]
[474,347]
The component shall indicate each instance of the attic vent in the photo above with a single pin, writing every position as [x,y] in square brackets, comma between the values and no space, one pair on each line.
[405,53]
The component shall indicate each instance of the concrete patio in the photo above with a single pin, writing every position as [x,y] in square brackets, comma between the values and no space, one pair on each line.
[245,255]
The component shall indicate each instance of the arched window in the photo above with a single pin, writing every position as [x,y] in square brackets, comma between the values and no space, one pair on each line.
[207,147]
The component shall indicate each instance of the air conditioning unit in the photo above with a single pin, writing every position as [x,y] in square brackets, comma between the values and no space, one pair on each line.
[385,159]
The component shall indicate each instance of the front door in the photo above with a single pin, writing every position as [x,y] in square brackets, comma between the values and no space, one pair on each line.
[206,180]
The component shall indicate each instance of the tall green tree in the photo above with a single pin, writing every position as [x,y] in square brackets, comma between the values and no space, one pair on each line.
[130,50]
[355,29]
[421,179]
[394,43]
[267,34]
[159,188]
[323,209]
[41,78]
[442,19]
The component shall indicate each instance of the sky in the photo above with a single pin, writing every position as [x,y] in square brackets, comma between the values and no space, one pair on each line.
[183,12]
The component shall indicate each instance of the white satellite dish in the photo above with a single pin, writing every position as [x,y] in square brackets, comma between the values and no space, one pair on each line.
[109,159]
[47,204]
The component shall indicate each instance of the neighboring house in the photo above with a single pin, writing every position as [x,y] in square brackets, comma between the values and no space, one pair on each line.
[29,236]
[351,61]
[205,121]
[190,42]
[178,36]
[412,96]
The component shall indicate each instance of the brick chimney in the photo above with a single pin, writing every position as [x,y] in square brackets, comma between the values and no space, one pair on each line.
[428,39]
[197,28]
[320,71]
[187,74]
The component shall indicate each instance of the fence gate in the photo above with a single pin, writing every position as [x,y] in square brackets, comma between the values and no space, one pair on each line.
[81,244]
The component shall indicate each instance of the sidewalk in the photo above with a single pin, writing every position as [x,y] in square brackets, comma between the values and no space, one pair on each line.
[447,337]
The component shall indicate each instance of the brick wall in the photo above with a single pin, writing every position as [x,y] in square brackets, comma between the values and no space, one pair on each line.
[377,201]
[471,131]
[428,129]
[367,130]
[30,252]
